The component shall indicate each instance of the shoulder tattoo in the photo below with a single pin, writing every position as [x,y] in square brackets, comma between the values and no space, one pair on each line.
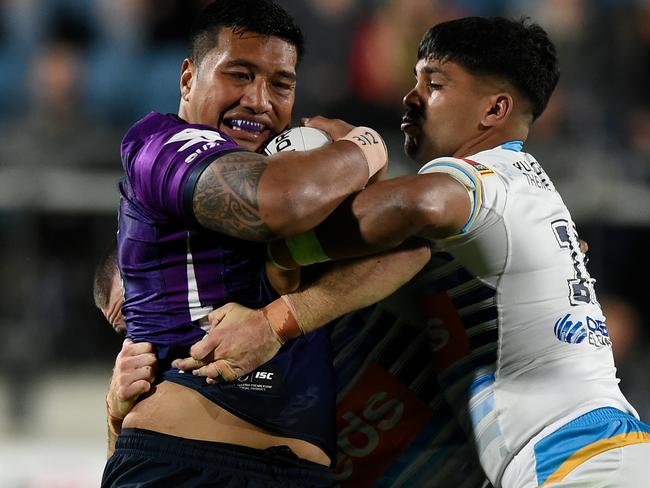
[225,198]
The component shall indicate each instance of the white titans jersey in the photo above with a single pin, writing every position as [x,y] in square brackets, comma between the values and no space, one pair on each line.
[520,338]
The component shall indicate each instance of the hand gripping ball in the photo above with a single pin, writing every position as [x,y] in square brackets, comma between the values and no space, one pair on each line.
[297,139]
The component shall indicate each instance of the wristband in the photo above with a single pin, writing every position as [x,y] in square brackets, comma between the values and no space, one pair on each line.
[306,249]
[269,256]
[372,145]
[282,319]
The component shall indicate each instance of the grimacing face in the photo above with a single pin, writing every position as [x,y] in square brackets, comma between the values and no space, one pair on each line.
[443,110]
[244,87]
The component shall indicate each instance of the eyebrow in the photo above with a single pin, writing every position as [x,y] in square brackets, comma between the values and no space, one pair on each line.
[253,67]
[431,70]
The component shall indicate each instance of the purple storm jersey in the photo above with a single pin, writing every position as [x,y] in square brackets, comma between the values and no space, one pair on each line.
[174,272]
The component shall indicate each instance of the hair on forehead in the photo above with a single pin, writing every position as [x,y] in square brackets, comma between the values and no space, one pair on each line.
[258,16]
[514,51]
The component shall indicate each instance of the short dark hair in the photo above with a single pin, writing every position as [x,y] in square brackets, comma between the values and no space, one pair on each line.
[516,51]
[260,16]
[104,272]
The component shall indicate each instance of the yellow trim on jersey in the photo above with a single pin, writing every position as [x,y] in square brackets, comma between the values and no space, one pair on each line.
[482,169]
[594,449]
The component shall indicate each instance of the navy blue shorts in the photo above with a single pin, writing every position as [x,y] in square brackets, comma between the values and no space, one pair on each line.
[150,459]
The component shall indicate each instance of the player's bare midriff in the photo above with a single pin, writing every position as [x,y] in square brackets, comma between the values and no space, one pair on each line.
[180,411]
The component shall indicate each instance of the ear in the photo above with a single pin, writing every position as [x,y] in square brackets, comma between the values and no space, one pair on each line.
[499,109]
[188,72]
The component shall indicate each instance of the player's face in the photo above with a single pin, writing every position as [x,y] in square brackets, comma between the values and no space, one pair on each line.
[443,111]
[245,87]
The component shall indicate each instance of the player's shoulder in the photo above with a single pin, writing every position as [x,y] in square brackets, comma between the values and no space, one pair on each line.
[471,165]
[499,157]
[170,128]
[159,134]
[151,124]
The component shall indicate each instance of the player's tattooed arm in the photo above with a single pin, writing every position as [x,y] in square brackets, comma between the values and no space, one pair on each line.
[226,196]
[249,196]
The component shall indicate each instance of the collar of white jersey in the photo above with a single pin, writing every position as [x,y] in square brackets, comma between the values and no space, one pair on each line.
[516,146]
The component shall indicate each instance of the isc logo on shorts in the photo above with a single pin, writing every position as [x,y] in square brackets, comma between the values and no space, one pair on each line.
[261,381]
[264,375]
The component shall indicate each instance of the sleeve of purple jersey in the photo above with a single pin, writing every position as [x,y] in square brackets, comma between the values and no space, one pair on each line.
[164,171]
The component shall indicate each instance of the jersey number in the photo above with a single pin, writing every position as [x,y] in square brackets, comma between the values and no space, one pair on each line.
[581,285]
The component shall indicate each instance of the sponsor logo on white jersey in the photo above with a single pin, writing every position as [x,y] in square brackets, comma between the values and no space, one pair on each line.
[567,329]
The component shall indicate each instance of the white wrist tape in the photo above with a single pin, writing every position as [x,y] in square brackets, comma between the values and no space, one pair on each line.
[373,147]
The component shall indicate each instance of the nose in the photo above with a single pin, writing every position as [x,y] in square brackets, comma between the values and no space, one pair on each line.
[411,99]
[256,96]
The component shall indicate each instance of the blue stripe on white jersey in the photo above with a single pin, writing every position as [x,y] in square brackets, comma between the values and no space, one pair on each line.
[440,455]
[468,382]
[516,146]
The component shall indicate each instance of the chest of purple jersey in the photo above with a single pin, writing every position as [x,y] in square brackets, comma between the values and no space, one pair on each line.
[174,271]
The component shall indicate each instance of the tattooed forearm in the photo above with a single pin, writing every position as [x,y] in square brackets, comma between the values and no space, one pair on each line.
[225,197]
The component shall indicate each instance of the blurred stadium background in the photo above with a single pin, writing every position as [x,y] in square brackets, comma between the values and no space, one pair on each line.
[74,74]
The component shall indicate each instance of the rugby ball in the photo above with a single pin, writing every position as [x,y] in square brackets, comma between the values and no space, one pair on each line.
[297,139]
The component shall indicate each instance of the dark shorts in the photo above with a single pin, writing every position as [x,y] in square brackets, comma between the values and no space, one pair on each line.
[149,459]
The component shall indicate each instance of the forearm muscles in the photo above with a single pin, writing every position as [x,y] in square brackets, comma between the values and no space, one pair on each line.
[300,189]
[386,214]
[352,285]
[252,197]
[376,219]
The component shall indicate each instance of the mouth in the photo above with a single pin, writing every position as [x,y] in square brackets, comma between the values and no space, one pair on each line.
[409,125]
[246,130]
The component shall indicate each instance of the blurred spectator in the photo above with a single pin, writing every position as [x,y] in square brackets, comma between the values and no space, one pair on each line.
[384,51]
[20,28]
[322,75]
[630,346]
[139,46]
[169,20]
[55,128]
[638,123]
[574,116]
